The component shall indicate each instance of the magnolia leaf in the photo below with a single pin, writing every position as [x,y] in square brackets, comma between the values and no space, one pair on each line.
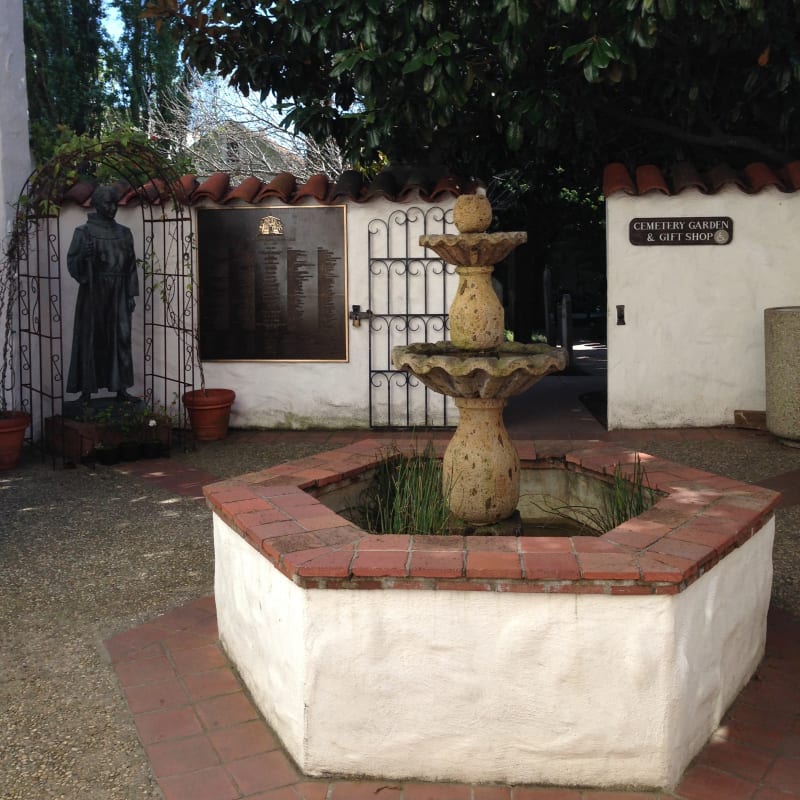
[518,13]
[668,8]
[581,50]
[417,62]
[514,136]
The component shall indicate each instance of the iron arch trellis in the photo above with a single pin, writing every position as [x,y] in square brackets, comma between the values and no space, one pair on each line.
[168,360]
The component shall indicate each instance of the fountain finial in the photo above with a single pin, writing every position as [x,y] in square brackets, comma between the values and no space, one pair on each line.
[472,213]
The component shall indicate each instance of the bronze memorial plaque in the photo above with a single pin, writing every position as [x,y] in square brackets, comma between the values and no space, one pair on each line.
[680,230]
[273,283]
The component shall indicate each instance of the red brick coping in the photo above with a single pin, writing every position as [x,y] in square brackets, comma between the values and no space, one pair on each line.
[701,519]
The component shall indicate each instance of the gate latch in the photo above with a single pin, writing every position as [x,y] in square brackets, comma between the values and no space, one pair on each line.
[357,315]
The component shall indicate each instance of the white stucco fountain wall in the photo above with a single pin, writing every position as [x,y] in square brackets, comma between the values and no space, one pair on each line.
[488,686]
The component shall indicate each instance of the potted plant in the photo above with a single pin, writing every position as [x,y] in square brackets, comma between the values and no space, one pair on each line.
[13,422]
[209,411]
[158,425]
[151,446]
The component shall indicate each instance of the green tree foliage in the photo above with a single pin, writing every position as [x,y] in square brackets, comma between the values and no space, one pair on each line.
[66,50]
[80,82]
[537,84]
[147,67]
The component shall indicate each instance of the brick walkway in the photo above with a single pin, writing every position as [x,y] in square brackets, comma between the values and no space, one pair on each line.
[206,741]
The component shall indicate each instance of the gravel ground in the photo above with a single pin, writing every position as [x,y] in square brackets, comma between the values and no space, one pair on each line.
[84,555]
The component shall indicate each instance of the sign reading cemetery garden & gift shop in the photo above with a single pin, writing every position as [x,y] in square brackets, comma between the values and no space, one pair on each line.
[273,283]
[680,230]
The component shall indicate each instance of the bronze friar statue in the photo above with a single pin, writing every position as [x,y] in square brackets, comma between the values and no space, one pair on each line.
[101,258]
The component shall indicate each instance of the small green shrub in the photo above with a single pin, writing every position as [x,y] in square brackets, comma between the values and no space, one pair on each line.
[626,498]
[406,495]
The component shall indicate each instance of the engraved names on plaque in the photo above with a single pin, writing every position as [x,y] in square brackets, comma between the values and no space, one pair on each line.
[272,283]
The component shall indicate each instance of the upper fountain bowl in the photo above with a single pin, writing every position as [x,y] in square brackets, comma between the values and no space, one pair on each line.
[474,249]
[504,372]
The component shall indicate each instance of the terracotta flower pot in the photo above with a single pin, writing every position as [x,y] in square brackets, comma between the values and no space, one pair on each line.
[13,425]
[209,412]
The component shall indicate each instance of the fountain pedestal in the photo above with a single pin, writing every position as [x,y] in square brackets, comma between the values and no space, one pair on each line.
[482,463]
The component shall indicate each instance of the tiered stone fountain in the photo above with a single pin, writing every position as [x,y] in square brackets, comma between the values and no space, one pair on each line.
[478,368]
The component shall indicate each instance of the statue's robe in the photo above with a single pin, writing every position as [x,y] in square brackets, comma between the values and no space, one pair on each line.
[102,259]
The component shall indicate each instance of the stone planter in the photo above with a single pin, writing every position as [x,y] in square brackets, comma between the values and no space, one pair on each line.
[782,359]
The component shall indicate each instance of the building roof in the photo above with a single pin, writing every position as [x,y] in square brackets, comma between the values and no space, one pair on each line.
[680,176]
[395,183]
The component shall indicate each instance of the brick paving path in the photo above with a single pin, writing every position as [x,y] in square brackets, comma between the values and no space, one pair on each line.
[206,741]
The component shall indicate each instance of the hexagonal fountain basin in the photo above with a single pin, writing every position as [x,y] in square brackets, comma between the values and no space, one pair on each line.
[579,660]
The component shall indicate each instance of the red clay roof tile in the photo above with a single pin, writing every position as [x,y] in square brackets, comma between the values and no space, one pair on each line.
[753,178]
[685,176]
[350,186]
[384,185]
[81,193]
[245,191]
[790,173]
[722,175]
[184,187]
[153,191]
[281,186]
[444,187]
[759,176]
[398,184]
[317,186]
[650,179]
[616,178]
[213,188]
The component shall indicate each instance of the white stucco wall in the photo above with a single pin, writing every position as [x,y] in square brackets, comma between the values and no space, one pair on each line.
[484,686]
[692,349]
[15,158]
[287,395]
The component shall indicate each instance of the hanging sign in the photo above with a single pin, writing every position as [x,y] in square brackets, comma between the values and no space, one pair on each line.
[680,230]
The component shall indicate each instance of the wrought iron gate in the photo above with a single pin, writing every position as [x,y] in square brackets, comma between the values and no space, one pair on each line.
[410,291]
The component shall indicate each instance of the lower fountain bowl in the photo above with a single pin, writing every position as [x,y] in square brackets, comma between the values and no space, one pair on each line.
[504,372]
